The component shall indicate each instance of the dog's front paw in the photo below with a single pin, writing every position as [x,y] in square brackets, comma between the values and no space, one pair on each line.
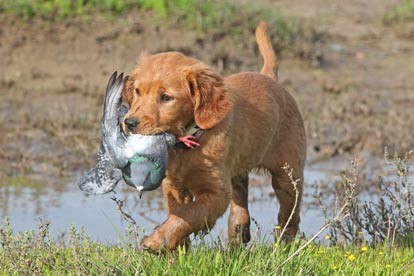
[158,242]
[151,244]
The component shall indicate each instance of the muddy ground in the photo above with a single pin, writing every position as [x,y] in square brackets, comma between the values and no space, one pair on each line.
[354,85]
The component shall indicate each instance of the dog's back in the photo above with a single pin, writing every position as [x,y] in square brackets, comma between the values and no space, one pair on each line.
[265,113]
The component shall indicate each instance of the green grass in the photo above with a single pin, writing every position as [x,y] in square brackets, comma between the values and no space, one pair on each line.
[194,14]
[55,9]
[36,253]
[20,182]
[403,12]
[204,10]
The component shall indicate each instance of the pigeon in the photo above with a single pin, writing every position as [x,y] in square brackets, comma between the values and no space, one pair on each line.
[141,160]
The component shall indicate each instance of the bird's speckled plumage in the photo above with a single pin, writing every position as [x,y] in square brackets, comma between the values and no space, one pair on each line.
[141,160]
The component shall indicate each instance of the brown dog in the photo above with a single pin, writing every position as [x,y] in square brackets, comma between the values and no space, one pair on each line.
[247,120]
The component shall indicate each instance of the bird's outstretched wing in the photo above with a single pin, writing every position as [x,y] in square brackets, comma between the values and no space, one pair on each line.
[103,178]
[112,136]
[112,102]
[106,174]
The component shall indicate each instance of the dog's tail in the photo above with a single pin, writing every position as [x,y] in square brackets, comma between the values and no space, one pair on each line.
[270,66]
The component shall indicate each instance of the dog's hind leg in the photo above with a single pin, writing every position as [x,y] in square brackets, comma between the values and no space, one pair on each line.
[239,219]
[289,196]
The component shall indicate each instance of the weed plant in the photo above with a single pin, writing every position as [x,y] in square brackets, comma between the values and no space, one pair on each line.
[387,218]
[402,12]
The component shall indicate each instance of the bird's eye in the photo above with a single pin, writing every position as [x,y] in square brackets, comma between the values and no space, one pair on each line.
[165,98]
[137,91]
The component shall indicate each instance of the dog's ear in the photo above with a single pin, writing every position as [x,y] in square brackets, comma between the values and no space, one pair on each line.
[129,90]
[210,97]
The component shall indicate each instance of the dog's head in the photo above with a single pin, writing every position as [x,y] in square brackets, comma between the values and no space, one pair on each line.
[169,91]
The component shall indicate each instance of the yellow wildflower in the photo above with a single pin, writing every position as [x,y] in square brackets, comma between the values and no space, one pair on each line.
[359,232]
[277,227]
[364,248]
[380,253]
[351,257]
[388,266]
[327,237]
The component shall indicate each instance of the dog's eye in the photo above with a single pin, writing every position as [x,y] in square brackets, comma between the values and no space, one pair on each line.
[165,98]
[137,91]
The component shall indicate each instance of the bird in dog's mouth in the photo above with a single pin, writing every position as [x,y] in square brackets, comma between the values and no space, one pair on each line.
[141,160]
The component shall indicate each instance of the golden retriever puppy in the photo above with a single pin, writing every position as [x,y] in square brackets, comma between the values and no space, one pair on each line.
[243,122]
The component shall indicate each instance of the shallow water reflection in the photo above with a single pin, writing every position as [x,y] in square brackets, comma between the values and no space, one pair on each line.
[64,205]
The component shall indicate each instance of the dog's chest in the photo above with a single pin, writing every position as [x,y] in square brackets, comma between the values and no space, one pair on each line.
[179,164]
[189,164]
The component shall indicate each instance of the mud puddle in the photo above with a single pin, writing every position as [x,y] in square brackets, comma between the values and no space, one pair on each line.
[28,206]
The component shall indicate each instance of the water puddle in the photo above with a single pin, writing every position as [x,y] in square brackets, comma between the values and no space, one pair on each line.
[64,205]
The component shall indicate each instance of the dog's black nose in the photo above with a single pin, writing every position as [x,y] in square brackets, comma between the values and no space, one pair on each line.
[131,123]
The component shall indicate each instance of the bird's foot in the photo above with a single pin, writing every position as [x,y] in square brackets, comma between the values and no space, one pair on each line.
[189,141]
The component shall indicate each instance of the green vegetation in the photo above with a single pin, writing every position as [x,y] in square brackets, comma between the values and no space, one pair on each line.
[208,12]
[36,253]
[401,13]
[51,9]
[20,182]
[215,16]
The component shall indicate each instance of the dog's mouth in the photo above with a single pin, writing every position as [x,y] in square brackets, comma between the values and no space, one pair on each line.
[150,131]
[154,131]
